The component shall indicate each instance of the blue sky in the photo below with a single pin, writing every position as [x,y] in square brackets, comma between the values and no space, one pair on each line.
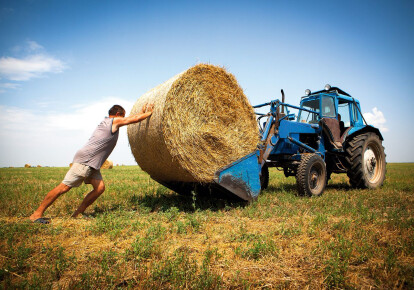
[64,63]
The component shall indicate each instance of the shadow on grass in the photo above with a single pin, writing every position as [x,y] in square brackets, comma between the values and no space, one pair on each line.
[292,188]
[342,186]
[283,187]
[165,201]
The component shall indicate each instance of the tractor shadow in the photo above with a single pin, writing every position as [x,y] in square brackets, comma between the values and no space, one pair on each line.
[292,188]
[339,186]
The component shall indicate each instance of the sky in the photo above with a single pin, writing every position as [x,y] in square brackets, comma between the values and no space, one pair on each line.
[64,63]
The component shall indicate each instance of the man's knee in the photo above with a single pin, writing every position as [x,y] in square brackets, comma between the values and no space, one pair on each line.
[63,188]
[99,186]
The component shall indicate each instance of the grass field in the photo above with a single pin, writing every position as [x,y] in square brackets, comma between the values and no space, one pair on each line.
[141,235]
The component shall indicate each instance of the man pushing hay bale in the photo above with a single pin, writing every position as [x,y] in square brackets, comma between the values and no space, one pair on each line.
[201,122]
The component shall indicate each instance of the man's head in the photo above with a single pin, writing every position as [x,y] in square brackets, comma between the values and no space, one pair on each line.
[117,110]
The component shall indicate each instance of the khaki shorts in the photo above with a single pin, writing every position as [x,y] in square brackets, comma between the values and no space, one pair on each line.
[79,173]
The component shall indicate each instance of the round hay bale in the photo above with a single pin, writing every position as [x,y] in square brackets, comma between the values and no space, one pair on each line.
[201,122]
[27,166]
[39,165]
[108,164]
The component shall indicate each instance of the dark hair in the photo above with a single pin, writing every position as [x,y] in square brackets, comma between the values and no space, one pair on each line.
[116,109]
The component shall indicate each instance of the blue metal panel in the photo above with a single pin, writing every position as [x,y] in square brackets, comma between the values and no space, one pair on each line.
[288,128]
[241,177]
[365,129]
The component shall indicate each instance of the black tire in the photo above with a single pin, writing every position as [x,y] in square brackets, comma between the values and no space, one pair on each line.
[371,172]
[264,177]
[311,175]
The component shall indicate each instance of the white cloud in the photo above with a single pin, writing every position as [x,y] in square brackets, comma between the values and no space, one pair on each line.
[85,117]
[376,118]
[32,66]
[51,138]
[33,45]
[34,63]
[9,85]
[4,86]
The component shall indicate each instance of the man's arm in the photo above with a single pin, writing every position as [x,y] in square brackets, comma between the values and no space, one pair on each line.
[118,122]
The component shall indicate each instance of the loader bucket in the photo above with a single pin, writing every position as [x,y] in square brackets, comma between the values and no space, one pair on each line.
[242,177]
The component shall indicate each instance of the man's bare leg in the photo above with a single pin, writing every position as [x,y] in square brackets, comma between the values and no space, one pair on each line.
[49,199]
[98,189]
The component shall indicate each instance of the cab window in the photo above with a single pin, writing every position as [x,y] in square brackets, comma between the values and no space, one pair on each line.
[328,107]
[308,117]
[344,112]
[355,113]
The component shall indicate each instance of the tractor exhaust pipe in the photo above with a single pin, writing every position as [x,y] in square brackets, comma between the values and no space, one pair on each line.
[283,100]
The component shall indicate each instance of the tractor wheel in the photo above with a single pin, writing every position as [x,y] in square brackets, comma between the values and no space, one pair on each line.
[365,161]
[264,177]
[311,175]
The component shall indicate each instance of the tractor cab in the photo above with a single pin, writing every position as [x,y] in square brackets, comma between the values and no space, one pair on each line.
[334,110]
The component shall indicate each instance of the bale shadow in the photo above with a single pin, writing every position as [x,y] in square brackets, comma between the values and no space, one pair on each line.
[161,202]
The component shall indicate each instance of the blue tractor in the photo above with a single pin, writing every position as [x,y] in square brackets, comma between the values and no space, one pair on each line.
[328,135]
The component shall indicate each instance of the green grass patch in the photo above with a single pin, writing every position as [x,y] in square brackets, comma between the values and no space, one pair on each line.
[139,234]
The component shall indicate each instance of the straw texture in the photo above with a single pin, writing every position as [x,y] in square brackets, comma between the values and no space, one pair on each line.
[201,122]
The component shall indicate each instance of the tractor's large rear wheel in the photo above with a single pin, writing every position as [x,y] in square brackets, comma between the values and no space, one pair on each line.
[365,160]
[311,175]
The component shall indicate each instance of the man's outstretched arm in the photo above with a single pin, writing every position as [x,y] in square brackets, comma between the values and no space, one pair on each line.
[118,122]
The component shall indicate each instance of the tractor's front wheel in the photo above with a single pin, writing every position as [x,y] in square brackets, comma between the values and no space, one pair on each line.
[365,160]
[311,175]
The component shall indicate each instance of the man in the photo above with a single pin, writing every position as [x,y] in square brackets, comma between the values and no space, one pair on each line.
[88,161]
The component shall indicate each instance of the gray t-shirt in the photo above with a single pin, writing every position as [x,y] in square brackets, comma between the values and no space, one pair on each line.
[99,146]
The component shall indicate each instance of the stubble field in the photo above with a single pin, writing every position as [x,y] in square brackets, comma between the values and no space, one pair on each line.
[139,234]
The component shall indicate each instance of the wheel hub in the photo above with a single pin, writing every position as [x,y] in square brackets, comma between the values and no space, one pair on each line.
[370,161]
[314,179]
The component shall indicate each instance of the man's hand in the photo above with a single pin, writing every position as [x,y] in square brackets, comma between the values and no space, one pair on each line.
[147,108]
[150,107]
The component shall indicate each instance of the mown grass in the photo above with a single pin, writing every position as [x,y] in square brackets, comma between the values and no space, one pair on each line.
[141,235]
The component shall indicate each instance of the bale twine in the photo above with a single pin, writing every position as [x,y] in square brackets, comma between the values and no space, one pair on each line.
[108,164]
[201,122]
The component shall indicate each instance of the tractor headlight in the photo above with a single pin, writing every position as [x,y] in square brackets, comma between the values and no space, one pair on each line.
[307,92]
[327,87]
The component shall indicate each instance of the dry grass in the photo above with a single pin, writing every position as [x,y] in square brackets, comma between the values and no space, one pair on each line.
[202,121]
[141,235]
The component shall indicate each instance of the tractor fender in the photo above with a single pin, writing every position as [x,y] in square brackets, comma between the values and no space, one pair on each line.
[361,130]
